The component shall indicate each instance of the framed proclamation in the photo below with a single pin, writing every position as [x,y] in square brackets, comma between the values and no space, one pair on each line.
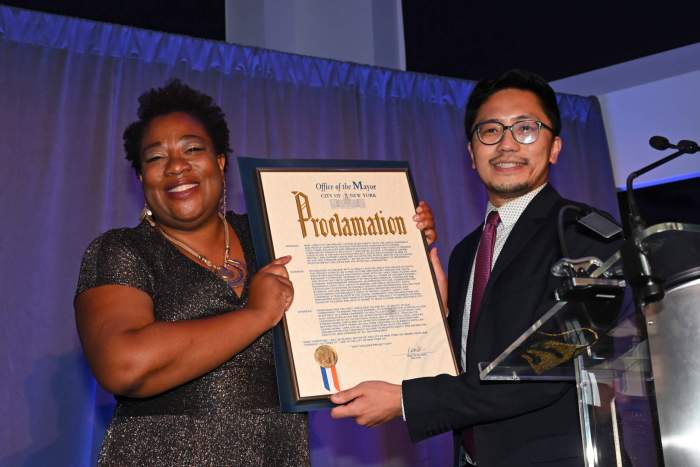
[366,304]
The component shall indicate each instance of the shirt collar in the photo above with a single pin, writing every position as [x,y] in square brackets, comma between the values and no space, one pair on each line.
[510,212]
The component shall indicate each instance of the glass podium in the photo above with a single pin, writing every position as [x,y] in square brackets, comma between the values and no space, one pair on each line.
[635,365]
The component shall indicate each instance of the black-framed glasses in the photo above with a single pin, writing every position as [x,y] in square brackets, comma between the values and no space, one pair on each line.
[524,131]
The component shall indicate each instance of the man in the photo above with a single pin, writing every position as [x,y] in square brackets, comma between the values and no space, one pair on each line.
[512,126]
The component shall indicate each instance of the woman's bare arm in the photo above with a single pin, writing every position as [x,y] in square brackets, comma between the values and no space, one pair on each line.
[131,354]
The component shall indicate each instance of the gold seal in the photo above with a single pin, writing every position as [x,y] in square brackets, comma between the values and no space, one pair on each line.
[325,356]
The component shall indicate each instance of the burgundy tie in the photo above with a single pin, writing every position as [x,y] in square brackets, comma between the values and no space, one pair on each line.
[482,270]
[482,266]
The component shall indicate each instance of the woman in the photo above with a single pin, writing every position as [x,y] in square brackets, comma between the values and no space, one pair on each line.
[173,318]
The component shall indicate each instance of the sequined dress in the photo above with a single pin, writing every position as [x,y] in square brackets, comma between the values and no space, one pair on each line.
[228,417]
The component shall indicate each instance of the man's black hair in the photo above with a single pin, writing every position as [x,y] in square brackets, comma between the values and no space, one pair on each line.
[513,79]
[176,96]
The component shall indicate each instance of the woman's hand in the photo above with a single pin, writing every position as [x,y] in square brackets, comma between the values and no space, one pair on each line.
[271,291]
[425,222]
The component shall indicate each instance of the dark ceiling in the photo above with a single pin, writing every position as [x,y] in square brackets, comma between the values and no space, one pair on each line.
[555,38]
[460,38]
[204,18]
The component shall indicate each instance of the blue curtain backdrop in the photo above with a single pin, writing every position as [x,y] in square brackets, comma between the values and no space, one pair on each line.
[68,88]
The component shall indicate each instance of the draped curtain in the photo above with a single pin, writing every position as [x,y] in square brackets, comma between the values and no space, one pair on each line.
[68,88]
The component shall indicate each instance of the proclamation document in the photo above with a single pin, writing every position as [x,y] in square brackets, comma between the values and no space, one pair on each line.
[366,304]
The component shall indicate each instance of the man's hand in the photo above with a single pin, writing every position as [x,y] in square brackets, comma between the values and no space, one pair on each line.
[370,403]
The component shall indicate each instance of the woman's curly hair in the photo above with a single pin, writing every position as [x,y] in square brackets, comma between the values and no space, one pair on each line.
[176,96]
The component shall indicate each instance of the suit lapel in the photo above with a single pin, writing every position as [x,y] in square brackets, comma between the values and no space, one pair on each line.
[524,229]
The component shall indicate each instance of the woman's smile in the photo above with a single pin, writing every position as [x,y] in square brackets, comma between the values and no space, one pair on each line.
[182,191]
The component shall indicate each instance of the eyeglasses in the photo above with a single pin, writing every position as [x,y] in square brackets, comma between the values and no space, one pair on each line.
[524,131]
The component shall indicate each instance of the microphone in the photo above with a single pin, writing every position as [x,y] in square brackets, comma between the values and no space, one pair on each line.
[687,146]
[634,254]
[660,143]
[588,217]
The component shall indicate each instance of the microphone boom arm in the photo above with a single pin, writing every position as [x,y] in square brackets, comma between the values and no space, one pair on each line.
[636,221]
[638,271]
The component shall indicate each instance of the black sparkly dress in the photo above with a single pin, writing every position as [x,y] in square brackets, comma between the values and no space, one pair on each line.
[228,417]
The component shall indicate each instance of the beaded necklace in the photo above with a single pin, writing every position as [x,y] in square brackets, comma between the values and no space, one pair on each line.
[233,272]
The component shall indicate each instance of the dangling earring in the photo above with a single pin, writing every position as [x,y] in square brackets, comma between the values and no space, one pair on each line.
[147,215]
[222,201]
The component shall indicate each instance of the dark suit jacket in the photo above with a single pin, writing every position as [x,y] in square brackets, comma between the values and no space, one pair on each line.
[515,424]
